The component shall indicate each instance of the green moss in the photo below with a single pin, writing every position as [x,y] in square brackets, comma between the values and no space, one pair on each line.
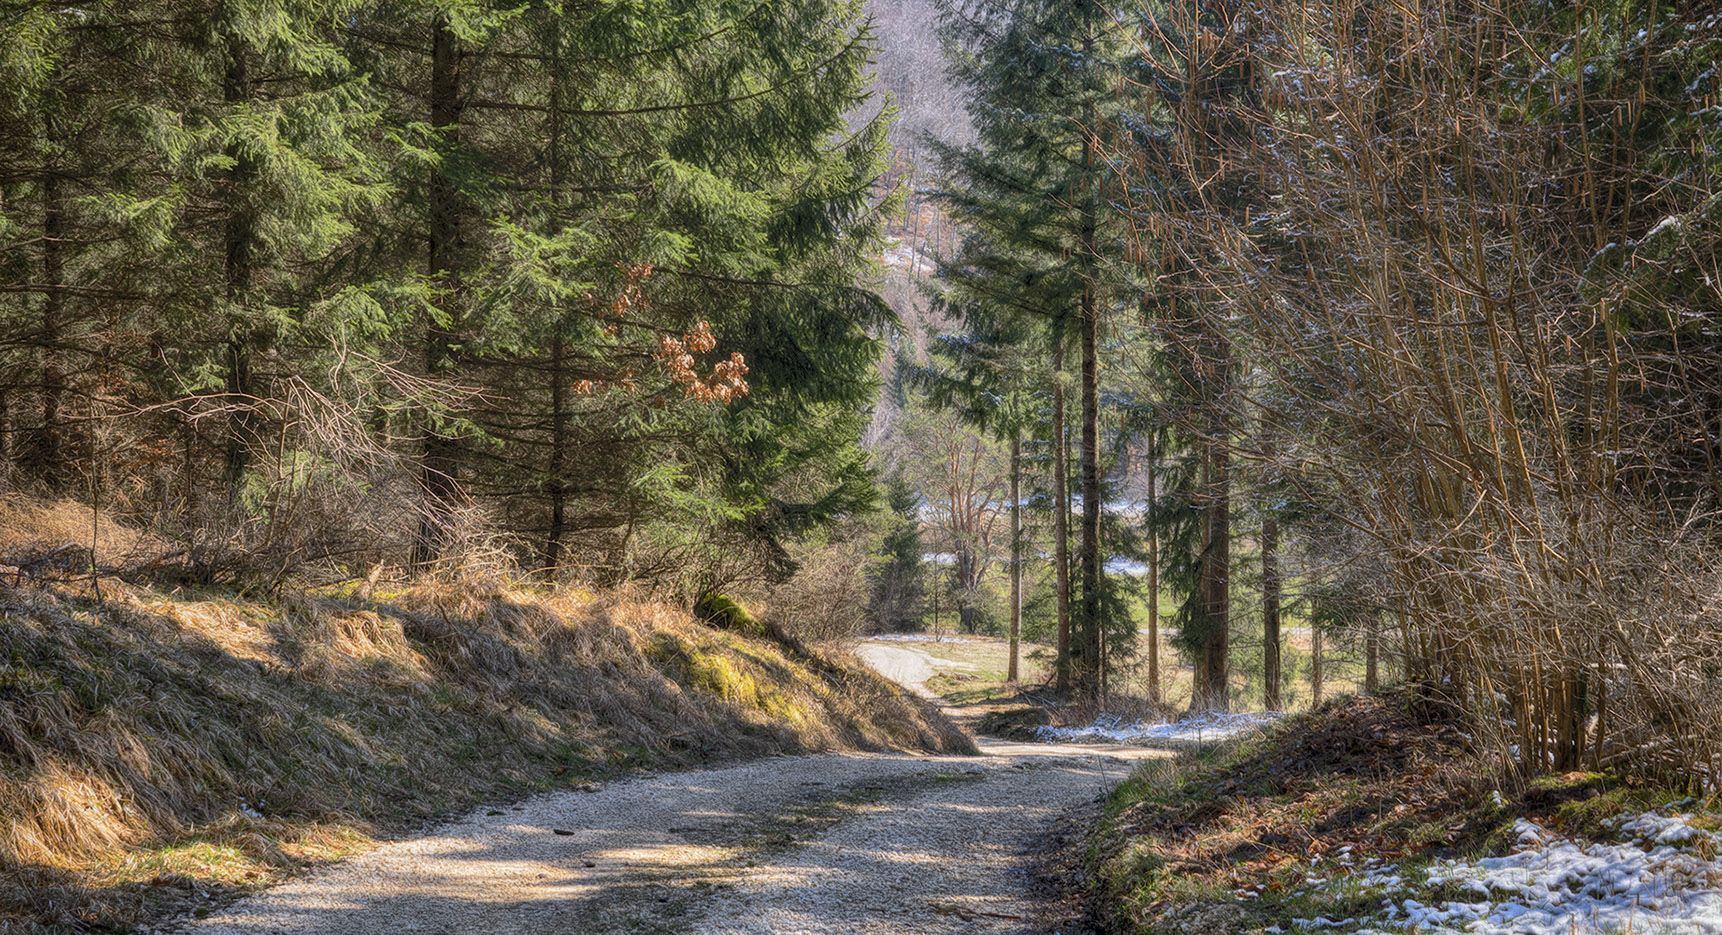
[726,613]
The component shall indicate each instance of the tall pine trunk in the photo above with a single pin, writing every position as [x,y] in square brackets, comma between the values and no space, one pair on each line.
[1153,571]
[1091,664]
[1015,550]
[439,464]
[238,272]
[557,486]
[1214,580]
[1270,612]
[1061,513]
[558,458]
[49,455]
[1089,670]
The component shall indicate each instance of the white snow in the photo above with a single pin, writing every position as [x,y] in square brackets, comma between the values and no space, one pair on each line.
[903,256]
[1656,879]
[1673,222]
[915,638]
[1109,728]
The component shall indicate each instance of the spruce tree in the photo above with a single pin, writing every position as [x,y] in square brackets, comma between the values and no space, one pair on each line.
[1043,242]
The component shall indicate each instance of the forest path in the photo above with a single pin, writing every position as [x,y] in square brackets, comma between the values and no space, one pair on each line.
[833,843]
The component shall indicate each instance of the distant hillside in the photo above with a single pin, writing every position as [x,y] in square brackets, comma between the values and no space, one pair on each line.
[911,67]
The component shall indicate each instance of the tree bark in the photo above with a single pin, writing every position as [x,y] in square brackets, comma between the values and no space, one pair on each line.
[439,465]
[49,451]
[1015,551]
[552,559]
[1090,668]
[1372,654]
[1270,612]
[1089,671]
[1153,572]
[1061,514]
[558,488]
[5,437]
[238,276]
[1213,675]
[1315,666]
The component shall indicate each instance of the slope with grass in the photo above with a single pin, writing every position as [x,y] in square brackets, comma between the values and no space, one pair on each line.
[1374,815]
[159,751]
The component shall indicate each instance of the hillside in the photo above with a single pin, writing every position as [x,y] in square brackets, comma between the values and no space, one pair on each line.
[159,750]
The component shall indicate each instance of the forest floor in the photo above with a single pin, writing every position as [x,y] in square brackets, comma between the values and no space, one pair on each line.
[839,842]
[1374,816]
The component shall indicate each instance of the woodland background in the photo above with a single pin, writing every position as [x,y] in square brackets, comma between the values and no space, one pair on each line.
[1179,324]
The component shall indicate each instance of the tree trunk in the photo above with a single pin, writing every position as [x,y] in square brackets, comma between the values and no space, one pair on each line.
[238,275]
[1090,629]
[558,488]
[968,581]
[1315,666]
[1270,613]
[1214,583]
[439,465]
[49,451]
[1092,559]
[1015,551]
[1061,514]
[1153,572]
[1371,654]
[552,559]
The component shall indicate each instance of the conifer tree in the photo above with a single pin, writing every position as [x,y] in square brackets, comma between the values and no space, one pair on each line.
[1042,239]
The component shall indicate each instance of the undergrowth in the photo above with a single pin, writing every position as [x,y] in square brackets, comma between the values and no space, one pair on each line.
[1228,839]
[161,751]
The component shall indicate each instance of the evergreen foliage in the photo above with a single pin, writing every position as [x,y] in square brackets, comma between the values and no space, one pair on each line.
[590,275]
[1042,250]
[898,588]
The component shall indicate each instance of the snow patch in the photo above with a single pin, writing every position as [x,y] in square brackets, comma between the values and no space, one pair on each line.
[915,638]
[1656,879]
[1108,728]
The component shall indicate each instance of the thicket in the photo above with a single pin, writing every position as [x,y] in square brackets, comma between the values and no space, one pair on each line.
[332,284]
[1477,271]
[1405,319]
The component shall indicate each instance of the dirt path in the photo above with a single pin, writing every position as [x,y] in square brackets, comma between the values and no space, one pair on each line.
[837,843]
[908,667]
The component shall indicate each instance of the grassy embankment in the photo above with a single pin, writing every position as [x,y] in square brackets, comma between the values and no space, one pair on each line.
[1245,837]
[163,750]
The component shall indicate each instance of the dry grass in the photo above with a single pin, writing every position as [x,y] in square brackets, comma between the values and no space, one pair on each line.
[31,528]
[158,750]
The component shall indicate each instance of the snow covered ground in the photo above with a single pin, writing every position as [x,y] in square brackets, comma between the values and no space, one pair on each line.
[1111,729]
[915,638]
[1662,876]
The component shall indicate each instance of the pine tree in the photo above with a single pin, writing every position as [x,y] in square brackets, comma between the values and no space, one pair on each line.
[897,585]
[1042,239]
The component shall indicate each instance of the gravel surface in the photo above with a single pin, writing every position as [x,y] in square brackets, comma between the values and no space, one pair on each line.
[910,668]
[834,843]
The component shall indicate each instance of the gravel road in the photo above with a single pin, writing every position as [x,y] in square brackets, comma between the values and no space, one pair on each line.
[838,843]
[908,667]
